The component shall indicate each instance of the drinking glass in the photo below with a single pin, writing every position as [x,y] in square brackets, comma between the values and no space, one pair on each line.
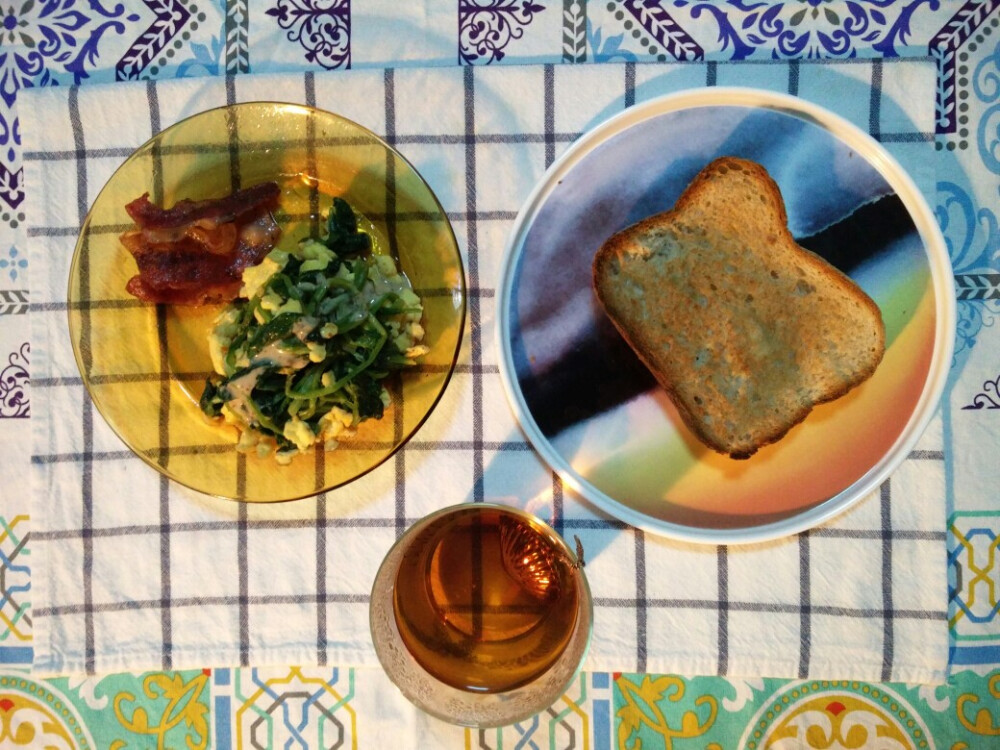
[481,614]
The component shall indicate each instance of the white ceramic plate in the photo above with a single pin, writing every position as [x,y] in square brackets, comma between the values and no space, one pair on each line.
[595,414]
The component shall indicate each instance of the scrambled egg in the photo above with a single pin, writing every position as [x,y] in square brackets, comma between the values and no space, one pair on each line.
[403,330]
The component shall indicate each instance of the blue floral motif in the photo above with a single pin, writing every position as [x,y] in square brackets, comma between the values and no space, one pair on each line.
[986,85]
[322,27]
[899,31]
[205,60]
[15,262]
[605,50]
[43,43]
[972,237]
[486,27]
[38,34]
[815,29]
[783,30]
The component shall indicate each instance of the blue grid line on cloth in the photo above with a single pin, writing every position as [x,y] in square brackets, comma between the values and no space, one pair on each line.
[198,376]
[242,532]
[614,602]
[875,101]
[572,524]
[163,418]
[472,270]
[888,633]
[805,589]
[639,543]
[805,581]
[88,406]
[392,217]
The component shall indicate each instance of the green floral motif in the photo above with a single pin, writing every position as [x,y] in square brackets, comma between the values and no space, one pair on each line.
[151,710]
[656,705]
[652,712]
[670,712]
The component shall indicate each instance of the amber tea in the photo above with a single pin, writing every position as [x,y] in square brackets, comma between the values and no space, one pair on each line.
[484,600]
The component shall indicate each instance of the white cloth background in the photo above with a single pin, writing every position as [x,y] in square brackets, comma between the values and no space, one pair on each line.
[131,573]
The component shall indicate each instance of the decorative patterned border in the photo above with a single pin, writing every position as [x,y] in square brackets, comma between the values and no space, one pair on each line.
[845,713]
[45,44]
[973,566]
[654,18]
[41,714]
[13,301]
[972,286]
[971,232]
[237,36]
[170,16]
[323,29]
[951,712]
[15,580]
[312,707]
[988,398]
[11,185]
[574,42]
[944,48]
[14,378]
[486,27]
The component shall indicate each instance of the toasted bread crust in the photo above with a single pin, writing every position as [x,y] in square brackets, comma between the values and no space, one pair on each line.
[744,329]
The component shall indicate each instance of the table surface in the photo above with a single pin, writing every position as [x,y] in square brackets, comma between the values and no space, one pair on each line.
[61,42]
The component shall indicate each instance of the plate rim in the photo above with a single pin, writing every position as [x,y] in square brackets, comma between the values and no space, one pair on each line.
[935,249]
[72,274]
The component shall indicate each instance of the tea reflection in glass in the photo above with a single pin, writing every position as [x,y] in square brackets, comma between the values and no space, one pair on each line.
[483,600]
[486,602]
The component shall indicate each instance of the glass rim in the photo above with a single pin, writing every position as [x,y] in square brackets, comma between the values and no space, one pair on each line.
[570,661]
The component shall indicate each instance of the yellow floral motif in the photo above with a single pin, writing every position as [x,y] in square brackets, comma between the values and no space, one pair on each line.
[182,706]
[25,722]
[985,723]
[838,720]
[642,708]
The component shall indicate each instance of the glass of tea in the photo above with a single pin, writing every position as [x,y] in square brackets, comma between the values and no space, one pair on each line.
[481,614]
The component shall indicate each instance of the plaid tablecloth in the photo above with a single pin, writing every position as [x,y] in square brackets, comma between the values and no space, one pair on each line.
[132,571]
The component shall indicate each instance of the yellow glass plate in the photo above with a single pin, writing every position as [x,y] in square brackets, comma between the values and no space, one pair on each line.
[145,365]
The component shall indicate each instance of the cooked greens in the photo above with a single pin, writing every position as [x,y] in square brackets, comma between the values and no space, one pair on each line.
[302,356]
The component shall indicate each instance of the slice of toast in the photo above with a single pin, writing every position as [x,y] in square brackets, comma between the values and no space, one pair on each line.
[744,329]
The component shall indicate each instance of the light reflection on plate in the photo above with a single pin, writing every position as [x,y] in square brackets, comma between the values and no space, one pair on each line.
[595,414]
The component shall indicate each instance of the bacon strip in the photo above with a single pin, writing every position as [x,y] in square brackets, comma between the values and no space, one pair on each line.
[232,207]
[195,252]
